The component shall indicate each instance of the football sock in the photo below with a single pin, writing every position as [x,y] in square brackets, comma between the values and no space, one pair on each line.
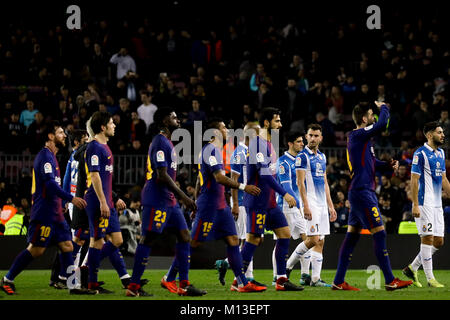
[379,246]
[305,262]
[76,249]
[235,261]
[116,259]
[345,256]
[281,255]
[316,265]
[140,262]
[295,256]
[247,253]
[66,259]
[249,272]
[20,263]
[183,255]
[173,270]
[427,260]
[415,265]
[274,262]
[93,264]
[107,249]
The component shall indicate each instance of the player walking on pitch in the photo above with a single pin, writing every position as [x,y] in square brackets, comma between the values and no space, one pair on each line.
[364,212]
[428,177]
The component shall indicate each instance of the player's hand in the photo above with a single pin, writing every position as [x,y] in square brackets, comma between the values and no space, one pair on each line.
[235,211]
[333,214]
[415,211]
[80,203]
[190,204]
[104,209]
[192,216]
[379,104]
[253,190]
[120,204]
[307,213]
[394,164]
[290,200]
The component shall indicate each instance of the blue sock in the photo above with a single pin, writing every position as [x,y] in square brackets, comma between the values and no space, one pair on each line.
[345,256]
[183,255]
[379,246]
[281,255]
[118,263]
[20,263]
[173,270]
[66,259]
[107,249]
[247,253]
[76,249]
[93,264]
[235,261]
[140,262]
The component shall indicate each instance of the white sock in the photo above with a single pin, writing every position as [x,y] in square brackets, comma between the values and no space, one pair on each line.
[415,265]
[316,265]
[249,272]
[295,256]
[305,262]
[427,260]
[274,263]
[85,259]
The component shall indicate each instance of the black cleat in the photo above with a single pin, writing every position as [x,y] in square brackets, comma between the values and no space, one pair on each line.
[126,282]
[60,284]
[8,287]
[135,290]
[83,291]
[283,284]
[256,283]
[191,291]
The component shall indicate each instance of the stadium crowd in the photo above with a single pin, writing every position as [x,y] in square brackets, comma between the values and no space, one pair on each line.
[131,67]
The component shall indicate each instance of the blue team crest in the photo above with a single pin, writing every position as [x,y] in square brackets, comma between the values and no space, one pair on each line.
[298,161]
[424,228]
[438,165]
[312,229]
[282,171]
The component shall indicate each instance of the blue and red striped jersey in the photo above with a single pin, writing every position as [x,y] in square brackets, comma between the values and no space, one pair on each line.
[360,154]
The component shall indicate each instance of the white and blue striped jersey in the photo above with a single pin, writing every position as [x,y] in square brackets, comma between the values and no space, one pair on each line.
[430,165]
[315,167]
[238,165]
[287,178]
[71,175]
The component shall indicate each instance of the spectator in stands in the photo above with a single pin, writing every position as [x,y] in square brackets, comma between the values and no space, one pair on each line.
[138,127]
[194,115]
[401,175]
[147,109]
[15,134]
[421,116]
[124,63]
[27,115]
[329,138]
[444,123]
[387,213]
[34,136]
[258,77]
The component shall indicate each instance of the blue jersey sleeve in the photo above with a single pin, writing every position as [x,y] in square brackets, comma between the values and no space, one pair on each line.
[47,168]
[300,161]
[417,163]
[94,157]
[161,155]
[214,160]
[283,172]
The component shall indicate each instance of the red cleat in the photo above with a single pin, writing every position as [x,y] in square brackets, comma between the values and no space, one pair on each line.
[398,284]
[344,286]
[234,286]
[169,285]
[251,287]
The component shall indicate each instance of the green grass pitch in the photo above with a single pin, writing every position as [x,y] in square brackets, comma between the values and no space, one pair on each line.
[33,285]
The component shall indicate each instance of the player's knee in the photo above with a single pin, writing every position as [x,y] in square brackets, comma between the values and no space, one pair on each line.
[254,239]
[184,236]
[66,246]
[438,242]
[195,243]
[36,251]
[232,240]
[149,239]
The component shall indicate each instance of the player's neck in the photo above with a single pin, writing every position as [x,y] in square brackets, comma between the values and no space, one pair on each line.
[166,132]
[101,138]
[51,146]
[432,145]
[217,143]
[265,134]
[292,152]
[313,149]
